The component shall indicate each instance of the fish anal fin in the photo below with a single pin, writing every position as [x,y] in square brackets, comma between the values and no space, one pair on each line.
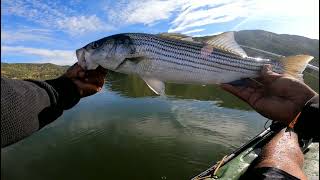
[155,85]
[226,42]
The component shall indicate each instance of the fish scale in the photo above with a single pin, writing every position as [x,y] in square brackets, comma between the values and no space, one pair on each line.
[215,60]
[164,58]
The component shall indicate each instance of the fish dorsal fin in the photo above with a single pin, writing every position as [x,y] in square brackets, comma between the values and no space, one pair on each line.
[177,36]
[155,85]
[226,42]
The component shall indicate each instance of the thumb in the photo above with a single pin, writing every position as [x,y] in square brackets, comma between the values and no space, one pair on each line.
[267,75]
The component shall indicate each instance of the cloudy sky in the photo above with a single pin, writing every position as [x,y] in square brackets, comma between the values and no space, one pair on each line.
[50,31]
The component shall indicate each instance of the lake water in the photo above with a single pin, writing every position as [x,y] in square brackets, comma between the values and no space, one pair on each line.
[127,132]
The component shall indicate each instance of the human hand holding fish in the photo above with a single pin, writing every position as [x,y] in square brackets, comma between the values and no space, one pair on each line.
[88,82]
[278,97]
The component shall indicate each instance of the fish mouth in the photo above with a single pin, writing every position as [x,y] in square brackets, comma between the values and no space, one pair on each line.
[81,58]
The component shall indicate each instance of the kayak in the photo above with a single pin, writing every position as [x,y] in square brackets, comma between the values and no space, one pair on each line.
[235,164]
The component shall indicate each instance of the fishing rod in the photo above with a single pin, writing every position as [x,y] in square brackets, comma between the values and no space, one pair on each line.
[310,66]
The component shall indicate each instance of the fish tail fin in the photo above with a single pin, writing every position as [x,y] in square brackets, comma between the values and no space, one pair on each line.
[295,65]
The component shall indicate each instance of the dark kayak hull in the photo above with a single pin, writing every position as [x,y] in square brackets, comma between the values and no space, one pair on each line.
[236,163]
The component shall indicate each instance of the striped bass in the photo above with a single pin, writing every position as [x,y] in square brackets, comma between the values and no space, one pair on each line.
[179,59]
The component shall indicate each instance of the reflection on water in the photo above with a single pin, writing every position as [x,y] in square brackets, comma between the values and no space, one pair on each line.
[134,86]
[126,132]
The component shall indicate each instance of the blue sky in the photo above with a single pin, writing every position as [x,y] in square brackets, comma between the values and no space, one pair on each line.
[50,31]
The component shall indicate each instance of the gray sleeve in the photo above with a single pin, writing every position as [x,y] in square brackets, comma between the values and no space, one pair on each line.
[21,102]
[29,105]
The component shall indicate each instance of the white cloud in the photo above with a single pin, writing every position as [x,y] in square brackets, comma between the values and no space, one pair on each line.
[26,34]
[142,11]
[50,14]
[183,15]
[82,24]
[186,14]
[60,57]
[193,31]
[44,13]
[209,12]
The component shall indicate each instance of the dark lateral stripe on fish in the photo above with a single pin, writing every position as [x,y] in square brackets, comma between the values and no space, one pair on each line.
[215,53]
[222,59]
[229,67]
[188,65]
[232,57]
[225,66]
[196,55]
[189,45]
[195,46]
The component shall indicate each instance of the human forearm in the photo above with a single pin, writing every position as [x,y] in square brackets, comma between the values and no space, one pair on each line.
[21,103]
[280,158]
[307,124]
[63,94]
[27,106]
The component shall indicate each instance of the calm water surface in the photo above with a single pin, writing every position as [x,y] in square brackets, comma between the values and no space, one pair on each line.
[126,132]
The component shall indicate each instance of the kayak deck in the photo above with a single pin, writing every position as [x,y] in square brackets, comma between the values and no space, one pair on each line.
[311,162]
[236,163]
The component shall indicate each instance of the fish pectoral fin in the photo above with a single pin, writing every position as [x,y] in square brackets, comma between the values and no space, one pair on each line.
[226,42]
[155,85]
[135,60]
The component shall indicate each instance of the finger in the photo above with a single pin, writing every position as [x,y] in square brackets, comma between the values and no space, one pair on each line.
[77,68]
[237,91]
[102,70]
[267,71]
[267,75]
[87,89]
[73,71]
[96,80]
[253,99]
[246,93]
[255,83]
[229,87]
[240,82]
[94,77]
[81,74]
[85,85]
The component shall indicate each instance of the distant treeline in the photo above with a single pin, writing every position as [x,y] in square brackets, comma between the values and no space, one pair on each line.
[32,71]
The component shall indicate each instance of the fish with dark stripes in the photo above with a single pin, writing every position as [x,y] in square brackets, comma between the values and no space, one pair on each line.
[179,59]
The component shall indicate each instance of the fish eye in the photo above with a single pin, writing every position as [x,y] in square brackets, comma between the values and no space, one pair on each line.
[94,45]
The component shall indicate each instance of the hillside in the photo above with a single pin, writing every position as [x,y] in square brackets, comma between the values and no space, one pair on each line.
[32,71]
[281,44]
